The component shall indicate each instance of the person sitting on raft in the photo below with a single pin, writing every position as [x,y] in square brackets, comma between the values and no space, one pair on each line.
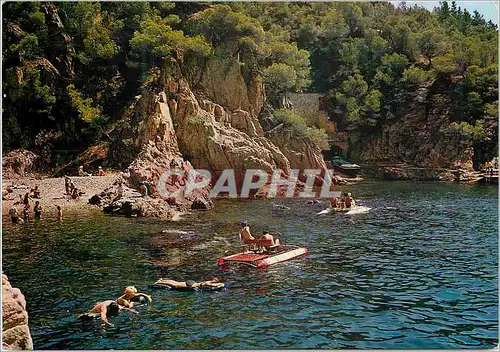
[266,237]
[333,203]
[349,201]
[245,235]
[131,295]
[190,284]
[104,310]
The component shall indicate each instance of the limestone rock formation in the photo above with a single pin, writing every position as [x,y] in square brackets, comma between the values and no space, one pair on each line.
[19,163]
[15,331]
[208,137]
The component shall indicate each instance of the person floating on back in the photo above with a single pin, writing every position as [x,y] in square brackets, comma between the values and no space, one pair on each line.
[190,284]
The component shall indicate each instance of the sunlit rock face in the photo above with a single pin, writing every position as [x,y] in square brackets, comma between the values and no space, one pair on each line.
[15,330]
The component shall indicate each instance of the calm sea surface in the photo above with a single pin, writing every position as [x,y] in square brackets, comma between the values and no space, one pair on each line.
[419,271]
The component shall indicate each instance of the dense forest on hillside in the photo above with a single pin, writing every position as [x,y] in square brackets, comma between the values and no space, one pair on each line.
[70,68]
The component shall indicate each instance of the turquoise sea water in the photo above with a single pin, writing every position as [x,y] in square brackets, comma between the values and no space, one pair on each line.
[419,271]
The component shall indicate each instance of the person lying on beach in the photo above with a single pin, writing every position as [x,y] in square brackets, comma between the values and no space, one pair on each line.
[105,310]
[131,295]
[190,284]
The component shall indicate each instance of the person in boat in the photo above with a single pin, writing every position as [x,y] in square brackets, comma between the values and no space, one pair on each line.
[334,203]
[245,235]
[130,295]
[266,236]
[190,284]
[341,201]
[349,201]
[105,310]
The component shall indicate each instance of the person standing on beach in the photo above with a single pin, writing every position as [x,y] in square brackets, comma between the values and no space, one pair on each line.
[59,213]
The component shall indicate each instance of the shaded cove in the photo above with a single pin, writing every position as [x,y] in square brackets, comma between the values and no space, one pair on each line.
[420,270]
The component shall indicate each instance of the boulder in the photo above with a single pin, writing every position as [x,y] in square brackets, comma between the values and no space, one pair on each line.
[15,331]
[19,163]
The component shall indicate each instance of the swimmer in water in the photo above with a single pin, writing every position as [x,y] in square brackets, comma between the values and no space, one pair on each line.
[105,310]
[190,284]
[131,295]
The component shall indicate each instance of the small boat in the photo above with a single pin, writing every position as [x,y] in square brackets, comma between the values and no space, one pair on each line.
[263,260]
[345,166]
[358,209]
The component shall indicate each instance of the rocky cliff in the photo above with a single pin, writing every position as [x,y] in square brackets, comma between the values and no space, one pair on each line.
[15,331]
[414,134]
[211,123]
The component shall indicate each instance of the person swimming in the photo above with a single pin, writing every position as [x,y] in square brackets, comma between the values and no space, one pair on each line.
[130,295]
[190,284]
[105,310]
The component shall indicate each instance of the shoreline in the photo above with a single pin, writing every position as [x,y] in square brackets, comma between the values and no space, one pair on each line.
[53,192]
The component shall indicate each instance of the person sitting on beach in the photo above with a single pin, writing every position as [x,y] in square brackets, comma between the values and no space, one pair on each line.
[75,193]
[105,310]
[190,284]
[100,171]
[35,192]
[37,210]
[143,189]
[69,185]
[82,173]
[15,216]
[131,295]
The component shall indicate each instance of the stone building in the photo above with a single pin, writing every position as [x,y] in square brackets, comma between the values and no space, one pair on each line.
[312,107]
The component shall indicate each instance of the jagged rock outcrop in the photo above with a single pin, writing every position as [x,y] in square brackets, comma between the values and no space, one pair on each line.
[208,138]
[223,82]
[15,331]
[19,163]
